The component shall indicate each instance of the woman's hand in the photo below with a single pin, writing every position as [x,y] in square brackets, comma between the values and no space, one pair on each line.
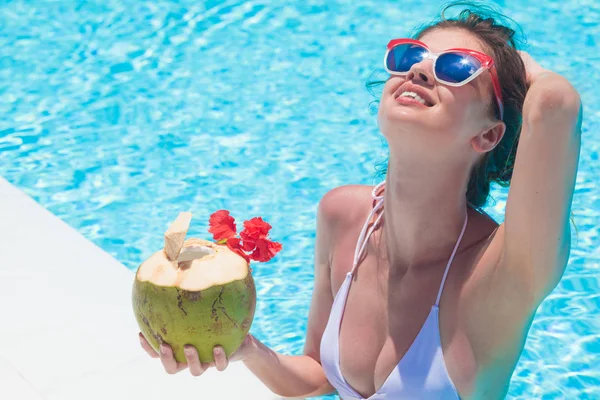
[532,68]
[193,362]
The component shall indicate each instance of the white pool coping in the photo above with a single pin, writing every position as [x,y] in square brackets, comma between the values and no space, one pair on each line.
[67,329]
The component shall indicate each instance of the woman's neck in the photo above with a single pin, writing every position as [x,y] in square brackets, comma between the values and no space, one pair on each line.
[424,214]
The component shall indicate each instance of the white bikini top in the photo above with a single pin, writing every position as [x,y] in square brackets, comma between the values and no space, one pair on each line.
[421,373]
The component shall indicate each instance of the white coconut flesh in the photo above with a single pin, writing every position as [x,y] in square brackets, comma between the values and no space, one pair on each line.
[200,265]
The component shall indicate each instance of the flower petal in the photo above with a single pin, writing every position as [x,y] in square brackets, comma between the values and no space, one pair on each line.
[234,243]
[222,225]
[265,250]
[255,229]
[249,244]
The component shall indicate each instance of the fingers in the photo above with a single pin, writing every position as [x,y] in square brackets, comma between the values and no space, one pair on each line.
[146,346]
[221,361]
[196,367]
[168,361]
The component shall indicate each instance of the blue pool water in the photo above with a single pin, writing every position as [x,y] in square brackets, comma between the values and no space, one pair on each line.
[116,115]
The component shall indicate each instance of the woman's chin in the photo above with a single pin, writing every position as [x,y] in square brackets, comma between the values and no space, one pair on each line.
[408,119]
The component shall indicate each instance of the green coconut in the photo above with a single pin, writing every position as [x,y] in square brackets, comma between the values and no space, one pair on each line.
[194,292]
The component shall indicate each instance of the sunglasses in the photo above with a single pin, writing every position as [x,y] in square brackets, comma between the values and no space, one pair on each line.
[452,67]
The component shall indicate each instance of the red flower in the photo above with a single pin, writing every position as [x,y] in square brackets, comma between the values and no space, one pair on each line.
[222,225]
[265,250]
[252,239]
[254,230]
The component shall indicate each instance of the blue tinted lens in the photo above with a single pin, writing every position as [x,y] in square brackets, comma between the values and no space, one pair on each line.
[456,67]
[404,56]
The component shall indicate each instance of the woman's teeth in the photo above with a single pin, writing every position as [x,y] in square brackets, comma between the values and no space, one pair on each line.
[414,96]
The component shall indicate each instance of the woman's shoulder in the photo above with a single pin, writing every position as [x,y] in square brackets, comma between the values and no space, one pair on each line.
[344,206]
[342,212]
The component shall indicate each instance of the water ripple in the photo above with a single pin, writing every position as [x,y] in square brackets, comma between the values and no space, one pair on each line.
[116,115]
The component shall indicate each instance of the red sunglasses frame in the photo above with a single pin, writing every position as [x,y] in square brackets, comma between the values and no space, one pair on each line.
[487,63]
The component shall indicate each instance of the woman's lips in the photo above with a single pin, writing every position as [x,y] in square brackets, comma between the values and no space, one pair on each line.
[409,101]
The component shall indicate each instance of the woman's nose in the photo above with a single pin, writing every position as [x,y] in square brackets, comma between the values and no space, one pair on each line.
[422,71]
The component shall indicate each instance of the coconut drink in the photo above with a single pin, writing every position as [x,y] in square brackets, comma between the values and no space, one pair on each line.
[199,292]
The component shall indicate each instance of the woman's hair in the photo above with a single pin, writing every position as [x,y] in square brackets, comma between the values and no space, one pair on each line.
[500,42]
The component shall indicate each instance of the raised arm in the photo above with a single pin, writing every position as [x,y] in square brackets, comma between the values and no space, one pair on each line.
[537,232]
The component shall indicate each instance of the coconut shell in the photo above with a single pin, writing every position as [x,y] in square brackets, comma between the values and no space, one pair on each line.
[204,302]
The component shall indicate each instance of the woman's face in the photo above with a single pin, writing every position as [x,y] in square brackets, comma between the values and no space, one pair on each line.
[453,115]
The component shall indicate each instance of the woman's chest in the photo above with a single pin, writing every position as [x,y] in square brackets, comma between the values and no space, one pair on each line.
[383,316]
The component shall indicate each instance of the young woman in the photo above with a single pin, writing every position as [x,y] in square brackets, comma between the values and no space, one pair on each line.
[436,297]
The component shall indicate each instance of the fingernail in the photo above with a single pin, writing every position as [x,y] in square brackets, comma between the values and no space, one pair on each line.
[163,350]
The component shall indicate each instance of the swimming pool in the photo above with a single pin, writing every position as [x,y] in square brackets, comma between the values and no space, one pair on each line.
[118,115]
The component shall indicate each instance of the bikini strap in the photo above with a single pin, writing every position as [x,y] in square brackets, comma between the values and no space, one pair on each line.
[364,235]
[437,301]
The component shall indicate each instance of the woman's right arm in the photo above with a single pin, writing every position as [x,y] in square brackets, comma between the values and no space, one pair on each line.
[303,375]
[285,375]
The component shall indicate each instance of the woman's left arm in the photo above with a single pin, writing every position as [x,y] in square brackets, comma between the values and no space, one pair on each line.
[537,235]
